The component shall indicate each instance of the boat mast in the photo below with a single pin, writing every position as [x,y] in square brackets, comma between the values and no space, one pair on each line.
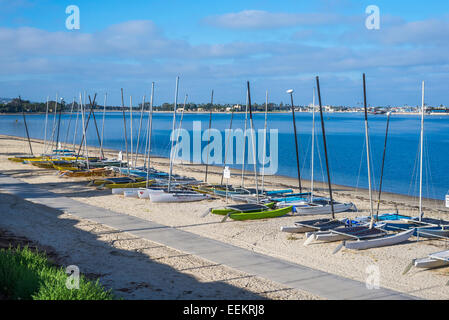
[244,141]
[45,128]
[264,141]
[313,147]
[296,141]
[76,127]
[421,154]
[92,106]
[208,142]
[26,126]
[84,132]
[227,146]
[179,127]
[368,158]
[253,138]
[173,132]
[383,165]
[59,124]
[150,124]
[149,128]
[126,134]
[68,126]
[102,127]
[325,147]
[140,128]
[131,127]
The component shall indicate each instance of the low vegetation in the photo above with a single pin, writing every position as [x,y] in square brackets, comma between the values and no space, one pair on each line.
[28,275]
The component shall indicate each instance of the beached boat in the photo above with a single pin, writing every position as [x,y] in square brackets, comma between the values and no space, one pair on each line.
[139,184]
[377,241]
[321,206]
[177,196]
[251,211]
[85,173]
[434,260]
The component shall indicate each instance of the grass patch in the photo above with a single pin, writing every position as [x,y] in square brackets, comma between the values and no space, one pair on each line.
[28,275]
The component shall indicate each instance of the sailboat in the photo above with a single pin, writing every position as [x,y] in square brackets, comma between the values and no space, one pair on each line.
[372,236]
[171,195]
[251,211]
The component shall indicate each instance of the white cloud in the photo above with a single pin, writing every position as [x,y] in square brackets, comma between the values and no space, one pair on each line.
[258,19]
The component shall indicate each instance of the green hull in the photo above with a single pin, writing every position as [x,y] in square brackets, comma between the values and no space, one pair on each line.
[260,215]
[226,211]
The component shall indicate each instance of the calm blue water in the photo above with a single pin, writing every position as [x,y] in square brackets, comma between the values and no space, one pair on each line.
[345,137]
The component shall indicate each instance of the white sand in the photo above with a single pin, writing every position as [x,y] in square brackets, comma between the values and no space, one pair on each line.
[264,236]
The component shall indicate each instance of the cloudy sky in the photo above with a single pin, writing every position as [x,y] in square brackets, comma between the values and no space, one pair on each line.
[276,45]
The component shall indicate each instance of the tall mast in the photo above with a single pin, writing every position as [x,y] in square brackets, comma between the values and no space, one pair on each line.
[244,141]
[84,132]
[208,142]
[45,129]
[76,126]
[296,141]
[264,140]
[421,153]
[102,127]
[126,134]
[173,132]
[59,124]
[313,147]
[68,126]
[227,146]
[150,124]
[180,126]
[26,126]
[140,128]
[253,141]
[92,106]
[131,126]
[325,147]
[368,158]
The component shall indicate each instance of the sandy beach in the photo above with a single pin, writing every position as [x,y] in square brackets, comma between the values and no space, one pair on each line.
[261,236]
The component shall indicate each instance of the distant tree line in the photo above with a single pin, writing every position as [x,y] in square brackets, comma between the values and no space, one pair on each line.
[18,105]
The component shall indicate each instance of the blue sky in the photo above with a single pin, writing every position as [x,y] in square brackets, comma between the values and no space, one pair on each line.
[276,45]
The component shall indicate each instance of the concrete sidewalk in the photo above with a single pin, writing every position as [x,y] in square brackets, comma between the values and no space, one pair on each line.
[292,275]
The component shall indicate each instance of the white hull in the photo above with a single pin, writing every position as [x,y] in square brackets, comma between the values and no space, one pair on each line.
[131,194]
[293,229]
[163,197]
[122,190]
[379,242]
[307,209]
[326,236]
[434,260]
[145,193]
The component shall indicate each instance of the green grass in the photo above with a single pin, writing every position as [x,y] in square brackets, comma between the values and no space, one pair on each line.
[28,275]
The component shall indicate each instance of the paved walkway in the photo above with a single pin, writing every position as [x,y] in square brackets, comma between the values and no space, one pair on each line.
[289,274]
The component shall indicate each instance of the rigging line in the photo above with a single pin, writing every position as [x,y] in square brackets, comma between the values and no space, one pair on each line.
[140,128]
[318,148]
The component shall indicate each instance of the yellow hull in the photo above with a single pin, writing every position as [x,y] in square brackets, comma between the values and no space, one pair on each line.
[129,185]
